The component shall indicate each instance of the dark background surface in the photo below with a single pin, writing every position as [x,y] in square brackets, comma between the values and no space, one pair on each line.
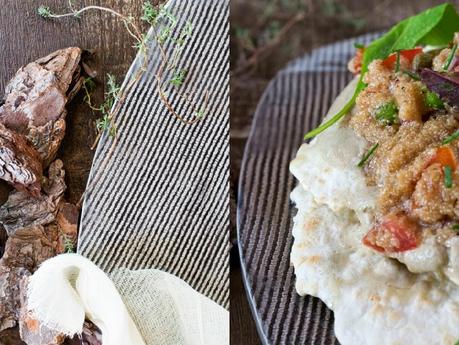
[24,37]
[265,35]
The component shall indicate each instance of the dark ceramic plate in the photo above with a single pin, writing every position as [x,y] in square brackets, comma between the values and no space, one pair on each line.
[293,103]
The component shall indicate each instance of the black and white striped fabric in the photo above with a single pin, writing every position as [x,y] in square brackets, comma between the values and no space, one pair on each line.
[294,102]
[162,197]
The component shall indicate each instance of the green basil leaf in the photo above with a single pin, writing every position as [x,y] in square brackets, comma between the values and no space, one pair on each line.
[435,26]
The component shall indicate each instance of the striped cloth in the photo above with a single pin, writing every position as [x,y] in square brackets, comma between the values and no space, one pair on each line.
[294,102]
[162,198]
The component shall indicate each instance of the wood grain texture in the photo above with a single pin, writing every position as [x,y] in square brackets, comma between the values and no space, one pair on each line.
[24,37]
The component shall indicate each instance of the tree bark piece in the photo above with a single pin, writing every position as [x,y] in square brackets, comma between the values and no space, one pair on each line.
[20,163]
[36,98]
[38,229]
[21,211]
[38,221]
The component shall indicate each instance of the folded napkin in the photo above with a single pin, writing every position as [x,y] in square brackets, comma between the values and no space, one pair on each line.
[146,307]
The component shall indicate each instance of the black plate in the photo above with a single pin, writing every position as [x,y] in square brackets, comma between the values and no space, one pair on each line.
[294,102]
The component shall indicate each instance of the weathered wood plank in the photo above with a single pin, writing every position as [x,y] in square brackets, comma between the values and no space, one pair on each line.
[24,37]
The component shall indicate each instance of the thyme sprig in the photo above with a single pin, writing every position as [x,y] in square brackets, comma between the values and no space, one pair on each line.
[164,24]
[68,243]
[112,95]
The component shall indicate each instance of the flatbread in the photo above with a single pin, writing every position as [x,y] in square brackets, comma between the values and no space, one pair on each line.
[376,300]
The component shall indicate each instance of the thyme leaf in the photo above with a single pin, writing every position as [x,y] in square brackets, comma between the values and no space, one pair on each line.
[44,11]
[179,77]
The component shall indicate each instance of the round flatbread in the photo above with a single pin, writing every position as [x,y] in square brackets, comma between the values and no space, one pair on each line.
[375,298]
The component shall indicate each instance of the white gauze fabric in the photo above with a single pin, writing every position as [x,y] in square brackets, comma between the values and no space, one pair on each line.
[68,288]
[169,312]
[164,309]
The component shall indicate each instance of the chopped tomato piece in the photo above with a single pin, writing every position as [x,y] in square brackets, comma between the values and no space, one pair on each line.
[408,54]
[358,59]
[396,233]
[445,157]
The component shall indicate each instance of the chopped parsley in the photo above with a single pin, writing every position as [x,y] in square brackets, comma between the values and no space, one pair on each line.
[433,101]
[387,113]
[448,171]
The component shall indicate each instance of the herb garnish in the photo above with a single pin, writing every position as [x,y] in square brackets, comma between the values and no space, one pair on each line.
[387,113]
[359,45]
[346,109]
[112,95]
[164,25]
[370,152]
[413,75]
[433,101]
[69,246]
[451,138]
[448,171]
[456,227]
[179,77]
[451,56]
[435,26]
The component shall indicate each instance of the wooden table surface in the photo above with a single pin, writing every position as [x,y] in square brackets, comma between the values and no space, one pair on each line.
[265,35]
[24,37]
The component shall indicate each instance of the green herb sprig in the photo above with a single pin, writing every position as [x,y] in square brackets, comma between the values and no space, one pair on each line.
[112,95]
[164,25]
[367,155]
[451,138]
[450,58]
[411,74]
[435,26]
[69,246]
[44,12]
[433,101]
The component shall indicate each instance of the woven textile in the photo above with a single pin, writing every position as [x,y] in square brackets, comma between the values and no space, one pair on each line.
[162,196]
[294,102]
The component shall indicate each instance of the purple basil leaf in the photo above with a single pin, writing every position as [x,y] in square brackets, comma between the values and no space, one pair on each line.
[445,85]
